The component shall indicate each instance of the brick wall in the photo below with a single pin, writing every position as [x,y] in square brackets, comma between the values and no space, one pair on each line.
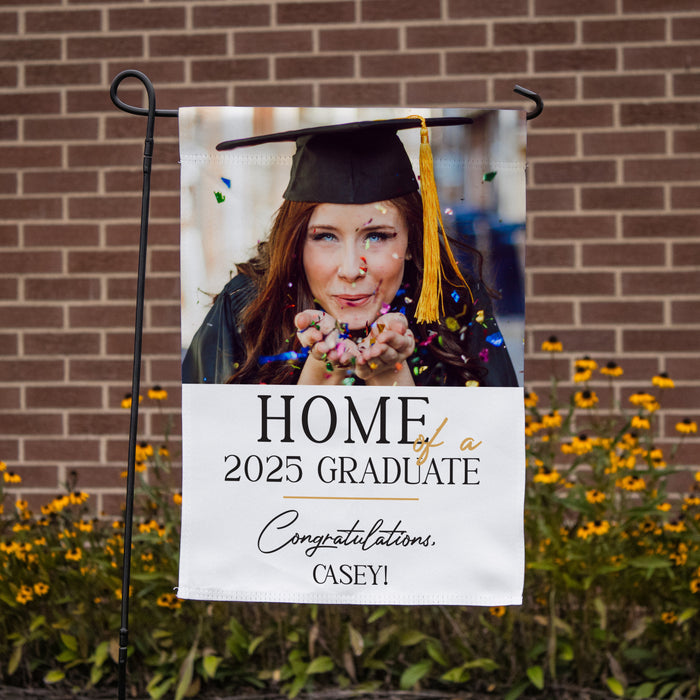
[614,184]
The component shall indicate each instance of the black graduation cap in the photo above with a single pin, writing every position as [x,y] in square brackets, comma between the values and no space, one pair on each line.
[353,163]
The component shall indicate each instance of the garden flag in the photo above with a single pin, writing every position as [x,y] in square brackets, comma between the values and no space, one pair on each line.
[352,346]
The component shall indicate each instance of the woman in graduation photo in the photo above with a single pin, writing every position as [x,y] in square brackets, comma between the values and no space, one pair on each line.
[357,281]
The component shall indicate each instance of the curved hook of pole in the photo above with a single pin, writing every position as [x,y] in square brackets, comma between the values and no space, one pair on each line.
[539,105]
[151,111]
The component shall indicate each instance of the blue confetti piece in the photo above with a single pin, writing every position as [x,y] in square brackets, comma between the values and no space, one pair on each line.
[496,339]
[284,356]
[226,182]
[454,295]
[402,310]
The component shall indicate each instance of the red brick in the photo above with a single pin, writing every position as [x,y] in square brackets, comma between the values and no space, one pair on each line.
[96,101]
[9,22]
[685,28]
[165,206]
[104,261]
[550,199]
[533,33]
[30,49]
[8,343]
[624,143]
[9,289]
[230,69]
[439,36]
[618,86]
[660,226]
[665,283]
[104,47]
[662,57]
[573,117]
[104,207]
[100,370]
[8,130]
[62,74]
[153,343]
[52,182]
[165,71]
[61,235]
[399,65]
[164,315]
[144,18]
[549,145]
[63,129]
[108,154]
[445,92]
[685,141]
[685,197]
[8,183]
[486,61]
[384,39]
[10,399]
[156,288]
[98,423]
[568,60]
[30,103]
[572,7]
[556,313]
[27,156]
[101,316]
[683,311]
[62,288]
[30,317]
[64,396]
[35,477]
[9,235]
[271,42]
[99,477]
[659,113]
[378,10]
[63,21]
[315,12]
[553,172]
[61,450]
[158,234]
[34,261]
[664,6]
[686,254]
[622,198]
[61,344]
[623,30]
[311,67]
[240,15]
[31,208]
[662,169]
[661,340]
[548,255]
[623,255]
[686,84]
[190,44]
[8,76]
[621,312]
[573,283]
[359,94]
[25,371]
[476,8]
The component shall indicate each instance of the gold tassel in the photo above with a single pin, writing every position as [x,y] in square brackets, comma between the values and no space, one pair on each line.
[430,302]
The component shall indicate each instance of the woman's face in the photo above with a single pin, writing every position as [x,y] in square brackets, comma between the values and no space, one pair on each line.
[354,257]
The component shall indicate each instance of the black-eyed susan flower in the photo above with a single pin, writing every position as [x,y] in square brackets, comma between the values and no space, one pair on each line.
[585,399]
[585,531]
[41,588]
[24,595]
[581,374]
[497,610]
[532,427]
[586,363]
[643,399]
[126,401]
[546,476]
[663,381]
[140,466]
[163,451]
[690,502]
[77,498]
[595,496]
[579,445]
[177,499]
[687,426]
[664,507]
[531,399]
[631,483]
[168,600]
[157,393]
[552,420]
[75,554]
[695,585]
[640,423]
[11,478]
[675,526]
[612,369]
[143,451]
[552,344]
[3,466]
[600,527]
[669,618]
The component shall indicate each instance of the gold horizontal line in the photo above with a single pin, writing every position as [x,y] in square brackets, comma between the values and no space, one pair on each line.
[348,498]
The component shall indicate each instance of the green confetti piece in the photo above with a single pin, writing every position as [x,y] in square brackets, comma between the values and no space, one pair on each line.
[488,177]
[219,197]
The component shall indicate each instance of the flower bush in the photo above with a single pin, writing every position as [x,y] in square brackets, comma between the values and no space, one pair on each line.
[611,596]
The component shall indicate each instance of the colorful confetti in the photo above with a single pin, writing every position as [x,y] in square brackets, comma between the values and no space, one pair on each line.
[488,177]
[219,197]
[455,295]
[495,339]
[284,356]
[226,182]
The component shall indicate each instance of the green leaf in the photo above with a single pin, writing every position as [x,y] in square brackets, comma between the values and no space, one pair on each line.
[616,687]
[686,615]
[377,614]
[255,644]
[536,676]
[297,686]
[414,673]
[411,637]
[321,664]
[645,690]
[434,649]
[186,673]
[101,654]
[650,562]
[516,691]
[69,641]
[483,663]
[357,642]
[37,622]
[54,676]
[211,663]
[15,658]
[156,691]
[66,655]
[456,675]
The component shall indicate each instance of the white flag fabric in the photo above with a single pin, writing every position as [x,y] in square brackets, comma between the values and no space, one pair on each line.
[395,485]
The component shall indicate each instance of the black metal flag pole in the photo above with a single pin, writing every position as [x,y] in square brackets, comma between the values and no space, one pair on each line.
[151,112]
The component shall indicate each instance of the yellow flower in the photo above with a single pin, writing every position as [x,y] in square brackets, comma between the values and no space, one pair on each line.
[11,478]
[585,399]
[21,505]
[552,420]
[140,466]
[586,363]
[611,369]
[126,401]
[585,531]
[157,393]
[669,617]
[600,527]
[581,374]
[675,526]
[641,399]
[640,423]
[631,483]
[143,451]
[546,476]
[177,499]
[163,451]
[532,427]
[580,445]
[664,507]
[3,466]
[24,595]
[690,502]
[78,497]
[695,585]
[552,344]
[531,399]
[498,610]
[686,426]
[168,600]
[41,588]
[75,554]
[663,381]
[595,496]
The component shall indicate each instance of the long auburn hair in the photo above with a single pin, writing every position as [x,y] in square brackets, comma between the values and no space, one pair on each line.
[282,291]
